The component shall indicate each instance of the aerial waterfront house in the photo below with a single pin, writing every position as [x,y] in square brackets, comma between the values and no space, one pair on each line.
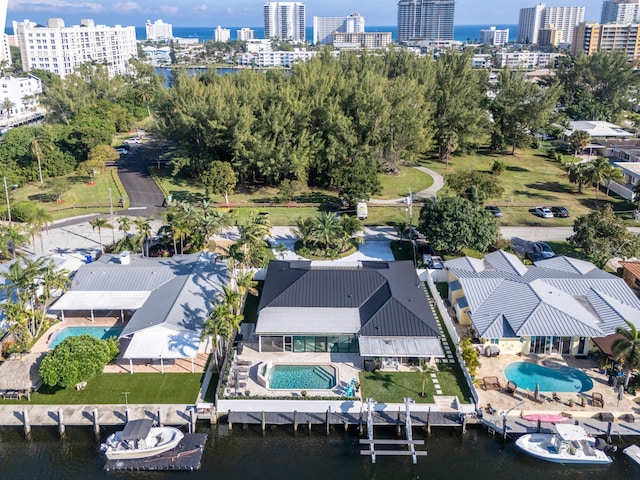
[558,305]
[377,309]
[162,302]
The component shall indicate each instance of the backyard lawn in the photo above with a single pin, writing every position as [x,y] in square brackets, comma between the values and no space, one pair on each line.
[531,179]
[152,388]
[396,186]
[73,194]
[393,387]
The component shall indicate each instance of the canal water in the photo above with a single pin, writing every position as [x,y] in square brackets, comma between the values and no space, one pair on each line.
[280,454]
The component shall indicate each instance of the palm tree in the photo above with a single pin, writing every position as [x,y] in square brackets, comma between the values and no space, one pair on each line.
[304,230]
[41,220]
[448,144]
[13,238]
[39,146]
[612,174]
[581,174]
[7,105]
[144,231]
[627,350]
[327,230]
[232,298]
[98,224]
[145,94]
[600,169]
[578,140]
[124,225]
[246,284]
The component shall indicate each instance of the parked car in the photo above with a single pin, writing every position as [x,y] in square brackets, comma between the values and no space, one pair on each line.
[129,141]
[495,211]
[560,212]
[433,262]
[543,249]
[534,256]
[412,233]
[543,212]
[122,151]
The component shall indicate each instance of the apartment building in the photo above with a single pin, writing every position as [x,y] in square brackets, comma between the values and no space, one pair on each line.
[562,19]
[494,36]
[324,27]
[620,11]
[595,37]
[158,30]
[221,34]
[425,20]
[526,60]
[59,49]
[245,34]
[368,40]
[285,21]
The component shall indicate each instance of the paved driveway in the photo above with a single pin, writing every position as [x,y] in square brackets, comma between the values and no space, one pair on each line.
[144,195]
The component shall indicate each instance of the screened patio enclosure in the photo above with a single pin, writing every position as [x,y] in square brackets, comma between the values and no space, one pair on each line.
[308,343]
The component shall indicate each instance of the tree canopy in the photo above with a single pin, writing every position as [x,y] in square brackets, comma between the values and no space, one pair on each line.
[77,359]
[453,223]
[603,236]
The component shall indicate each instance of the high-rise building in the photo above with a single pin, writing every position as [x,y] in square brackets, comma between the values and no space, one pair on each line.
[541,17]
[158,30]
[285,21]
[620,11]
[368,40]
[221,34]
[59,49]
[245,34]
[5,53]
[494,36]
[425,20]
[324,27]
[595,37]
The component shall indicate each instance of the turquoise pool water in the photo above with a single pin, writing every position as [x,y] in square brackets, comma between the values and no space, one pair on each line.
[302,377]
[99,332]
[562,379]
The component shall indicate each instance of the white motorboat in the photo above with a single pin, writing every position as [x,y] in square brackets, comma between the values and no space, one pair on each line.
[571,444]
[633,452]
[140,439]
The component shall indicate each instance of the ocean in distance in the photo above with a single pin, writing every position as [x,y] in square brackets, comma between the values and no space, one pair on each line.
[281,454]
[462,33]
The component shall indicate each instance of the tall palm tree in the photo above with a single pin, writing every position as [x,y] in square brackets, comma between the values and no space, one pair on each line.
[304,230]
[246,284]
[600,168]
[39,146]
[41,220]
[145,93]
[98,224]
[448,144]
[581,174]
[613,174]
[144,231]
[232,298]
[13,238]
[627,350]
[124,225]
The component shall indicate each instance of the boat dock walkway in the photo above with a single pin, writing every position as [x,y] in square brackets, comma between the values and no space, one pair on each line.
[516,426]
[62,416]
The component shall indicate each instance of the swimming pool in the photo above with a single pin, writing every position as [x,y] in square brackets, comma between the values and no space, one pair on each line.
[101,333]
[562,379]
[302,377]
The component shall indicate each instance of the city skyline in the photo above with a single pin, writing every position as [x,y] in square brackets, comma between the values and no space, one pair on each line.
[249,13]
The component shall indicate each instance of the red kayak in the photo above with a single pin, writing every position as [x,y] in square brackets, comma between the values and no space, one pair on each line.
[545,417]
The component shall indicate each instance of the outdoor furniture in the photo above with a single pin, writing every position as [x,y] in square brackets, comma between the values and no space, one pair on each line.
[511,387]
[555,396]
[491,383]
[243,363]
[242,369]
[627,417]
[596,400]
[606,417]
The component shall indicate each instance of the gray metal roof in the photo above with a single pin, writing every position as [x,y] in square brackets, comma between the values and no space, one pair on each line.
[558,296]
[390,297]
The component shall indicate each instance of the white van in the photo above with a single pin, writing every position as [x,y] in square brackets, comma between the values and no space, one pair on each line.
[362,210]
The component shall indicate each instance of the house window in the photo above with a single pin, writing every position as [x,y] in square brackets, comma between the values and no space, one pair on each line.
[271,344]
[495,341]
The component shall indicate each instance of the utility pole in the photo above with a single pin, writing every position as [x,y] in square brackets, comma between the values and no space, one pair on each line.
[6,193]
[113,230]
[411,239]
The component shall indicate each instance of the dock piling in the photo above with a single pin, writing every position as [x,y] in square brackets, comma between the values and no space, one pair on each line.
[160,417]
[609,427]
[229,420]
[60,422]
[327,420]
[192,421]
[429,421]
[263,422]
[27,425]
[398,429]
[295,421]
[127,414]
[96,424]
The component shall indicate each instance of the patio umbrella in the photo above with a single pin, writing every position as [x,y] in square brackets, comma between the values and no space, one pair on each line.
[536,393]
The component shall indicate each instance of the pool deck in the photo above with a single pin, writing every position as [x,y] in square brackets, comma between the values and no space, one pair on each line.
[522,402]
[348,366]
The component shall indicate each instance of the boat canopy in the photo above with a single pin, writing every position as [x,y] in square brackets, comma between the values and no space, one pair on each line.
[571,432]
[136,429]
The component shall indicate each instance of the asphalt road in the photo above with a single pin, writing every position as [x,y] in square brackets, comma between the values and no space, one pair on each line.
[145,197]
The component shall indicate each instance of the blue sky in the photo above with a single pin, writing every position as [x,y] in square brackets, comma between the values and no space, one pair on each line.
[249,12]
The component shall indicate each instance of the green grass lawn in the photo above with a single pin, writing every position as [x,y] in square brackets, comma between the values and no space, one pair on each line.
[107,388]
[396,186]
[393,387]
[531,179]
[79,197]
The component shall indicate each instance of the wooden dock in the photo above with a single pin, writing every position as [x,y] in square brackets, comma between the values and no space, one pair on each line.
[186,456]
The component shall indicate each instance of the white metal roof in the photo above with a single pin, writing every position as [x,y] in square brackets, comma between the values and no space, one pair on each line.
[160,342]
[597,128]
[292,321]
[400,347]
[110,300]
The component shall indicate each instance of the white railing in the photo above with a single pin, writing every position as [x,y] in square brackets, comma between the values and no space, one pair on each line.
[621,190]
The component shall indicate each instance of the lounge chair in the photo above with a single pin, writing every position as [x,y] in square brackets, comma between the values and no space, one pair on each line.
[555,396]
[243,363]
[596,400]
[491,383]
[511,387]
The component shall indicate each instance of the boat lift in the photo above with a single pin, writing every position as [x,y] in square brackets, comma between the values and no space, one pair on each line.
[409,441]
